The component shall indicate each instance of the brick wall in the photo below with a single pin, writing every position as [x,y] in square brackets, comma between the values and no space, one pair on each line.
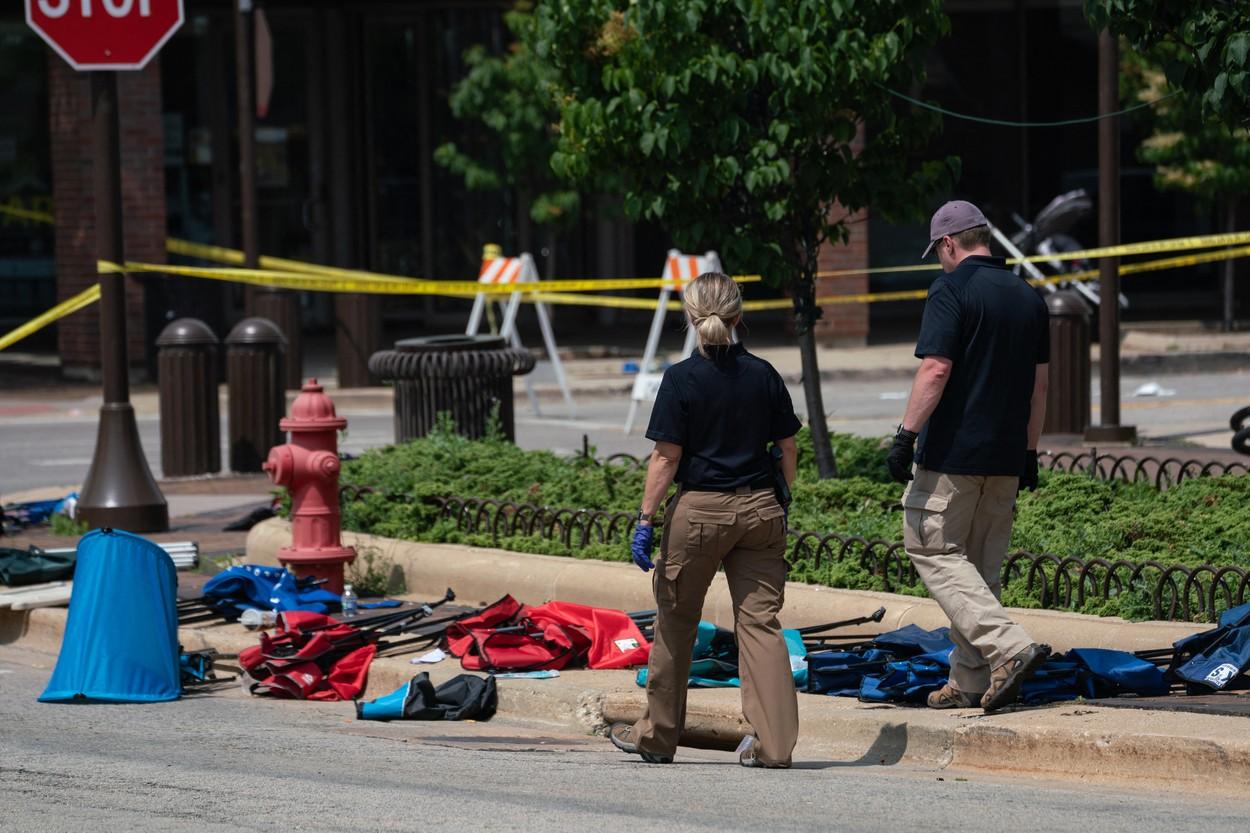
[143,202]
[844,324]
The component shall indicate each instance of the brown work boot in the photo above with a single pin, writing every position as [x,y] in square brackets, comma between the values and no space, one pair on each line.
[1006,679]
[949,697]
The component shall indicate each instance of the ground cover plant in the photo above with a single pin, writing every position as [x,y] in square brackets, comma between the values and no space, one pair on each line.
[1200,521]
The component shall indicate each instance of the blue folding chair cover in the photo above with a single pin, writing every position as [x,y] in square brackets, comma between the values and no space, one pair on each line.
[839,673]
[913,640]
[1111,673]
[909,680]
[245,586]
[1219,655]
[121,638]
[1058,678]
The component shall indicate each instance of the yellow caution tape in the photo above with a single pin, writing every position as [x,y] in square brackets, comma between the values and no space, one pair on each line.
[72,305]
[334,280]
[1171,244]
[27,214]
[599,301]
[262,277]
[234,257]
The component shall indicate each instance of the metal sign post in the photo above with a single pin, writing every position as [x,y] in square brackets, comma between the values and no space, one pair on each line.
[104,36]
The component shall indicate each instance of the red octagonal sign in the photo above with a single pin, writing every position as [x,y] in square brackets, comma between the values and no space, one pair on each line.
[105,34]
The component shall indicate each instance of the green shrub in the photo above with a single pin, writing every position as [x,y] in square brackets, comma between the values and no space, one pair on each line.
[1203,520]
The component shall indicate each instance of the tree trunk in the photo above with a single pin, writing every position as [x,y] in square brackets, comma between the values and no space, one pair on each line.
[1230,265]
[805,321]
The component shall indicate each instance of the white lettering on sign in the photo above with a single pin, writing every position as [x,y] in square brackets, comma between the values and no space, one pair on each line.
[54,10]
[115,8]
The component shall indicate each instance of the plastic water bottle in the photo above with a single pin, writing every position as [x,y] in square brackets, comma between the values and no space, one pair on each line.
[349,602]
[253,618]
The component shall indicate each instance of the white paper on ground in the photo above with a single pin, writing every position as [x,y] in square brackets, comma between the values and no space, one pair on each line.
[527,675]
[1153,389]
[437,655]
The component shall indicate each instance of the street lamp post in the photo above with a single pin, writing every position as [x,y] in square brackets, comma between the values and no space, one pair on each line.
[1109,430]
[119,491]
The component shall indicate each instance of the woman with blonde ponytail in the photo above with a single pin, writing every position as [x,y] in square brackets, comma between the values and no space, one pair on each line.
[714,417]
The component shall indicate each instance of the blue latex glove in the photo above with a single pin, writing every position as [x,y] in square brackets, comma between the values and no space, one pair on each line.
[640,550]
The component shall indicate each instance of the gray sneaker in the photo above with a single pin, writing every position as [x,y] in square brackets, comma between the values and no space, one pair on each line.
[621,733]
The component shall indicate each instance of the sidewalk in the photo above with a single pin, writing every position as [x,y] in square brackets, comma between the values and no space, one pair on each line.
[599,369]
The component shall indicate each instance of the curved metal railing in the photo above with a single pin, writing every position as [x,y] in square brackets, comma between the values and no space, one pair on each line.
[1175,591]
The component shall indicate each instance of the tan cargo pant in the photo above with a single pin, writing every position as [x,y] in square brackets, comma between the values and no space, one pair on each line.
[956,529]
[746,533]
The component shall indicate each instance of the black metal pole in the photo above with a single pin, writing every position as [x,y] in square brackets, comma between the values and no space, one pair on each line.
[245,60]
[278,305]
[1109,430]
[119,491]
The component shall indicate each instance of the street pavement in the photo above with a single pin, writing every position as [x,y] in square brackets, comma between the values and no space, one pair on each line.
[47,440]
[229,762]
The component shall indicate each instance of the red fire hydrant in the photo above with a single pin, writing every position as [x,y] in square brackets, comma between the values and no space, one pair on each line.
[308,467]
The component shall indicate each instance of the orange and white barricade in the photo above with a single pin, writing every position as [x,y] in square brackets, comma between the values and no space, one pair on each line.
[499,270]
[679,270]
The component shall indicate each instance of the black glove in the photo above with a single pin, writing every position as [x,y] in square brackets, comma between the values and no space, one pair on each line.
[1028,477]
[901,454]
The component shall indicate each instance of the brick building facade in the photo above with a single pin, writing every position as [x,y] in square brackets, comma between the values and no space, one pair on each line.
[143,204]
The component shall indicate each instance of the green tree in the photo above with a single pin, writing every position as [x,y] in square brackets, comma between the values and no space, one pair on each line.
[734,125]
[512,96]
[1208,159]
[1206,47]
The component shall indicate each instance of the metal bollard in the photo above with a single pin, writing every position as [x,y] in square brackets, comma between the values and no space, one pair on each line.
[186,366]
[467,377]
[1067,403]
[255,352]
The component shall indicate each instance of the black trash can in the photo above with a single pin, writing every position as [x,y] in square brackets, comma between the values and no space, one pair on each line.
[467,377]
[255,373]
[1067,403]
[186,366]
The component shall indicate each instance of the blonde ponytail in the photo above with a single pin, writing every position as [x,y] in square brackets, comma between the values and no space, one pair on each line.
[713,305]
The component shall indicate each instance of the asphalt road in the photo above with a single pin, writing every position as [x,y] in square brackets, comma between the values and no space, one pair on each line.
[50,449]
[228,762]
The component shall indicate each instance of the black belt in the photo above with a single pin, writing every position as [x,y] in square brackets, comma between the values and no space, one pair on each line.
[759,484]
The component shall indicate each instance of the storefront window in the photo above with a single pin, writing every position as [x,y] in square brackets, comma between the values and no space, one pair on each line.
[27,265]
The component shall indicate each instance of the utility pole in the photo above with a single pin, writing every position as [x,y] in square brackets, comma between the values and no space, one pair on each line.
[1109,431]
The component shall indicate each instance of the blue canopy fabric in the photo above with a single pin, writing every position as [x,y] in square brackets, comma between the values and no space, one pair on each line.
[236,589]
[1213,659]
[903,666]
[121,638]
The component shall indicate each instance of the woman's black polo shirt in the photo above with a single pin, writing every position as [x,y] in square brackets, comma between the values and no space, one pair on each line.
[723,410]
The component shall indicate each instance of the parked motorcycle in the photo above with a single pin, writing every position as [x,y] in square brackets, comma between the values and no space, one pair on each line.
[1048,234]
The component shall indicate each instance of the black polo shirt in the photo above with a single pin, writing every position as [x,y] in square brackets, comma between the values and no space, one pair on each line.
[995,329]
[722,410]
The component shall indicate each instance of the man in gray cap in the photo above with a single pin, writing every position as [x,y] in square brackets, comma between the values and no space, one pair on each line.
[976,408]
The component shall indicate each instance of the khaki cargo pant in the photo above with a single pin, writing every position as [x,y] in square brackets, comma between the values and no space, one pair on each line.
[746,533]
[956,529]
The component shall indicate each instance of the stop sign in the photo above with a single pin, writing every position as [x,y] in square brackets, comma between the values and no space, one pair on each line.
[105,34]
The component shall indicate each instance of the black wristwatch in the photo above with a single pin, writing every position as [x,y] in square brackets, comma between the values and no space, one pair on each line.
[644,517]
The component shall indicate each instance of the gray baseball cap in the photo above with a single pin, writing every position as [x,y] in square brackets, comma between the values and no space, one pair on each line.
[952,218]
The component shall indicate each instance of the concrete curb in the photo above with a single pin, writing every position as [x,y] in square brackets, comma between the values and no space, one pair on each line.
[481,575]
[1067,740]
